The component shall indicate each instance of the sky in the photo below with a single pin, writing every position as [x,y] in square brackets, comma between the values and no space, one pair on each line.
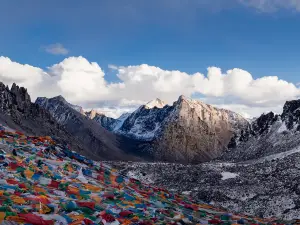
[113,55]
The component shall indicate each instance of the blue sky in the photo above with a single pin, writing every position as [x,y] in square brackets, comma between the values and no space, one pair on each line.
[172,34]
[259,36]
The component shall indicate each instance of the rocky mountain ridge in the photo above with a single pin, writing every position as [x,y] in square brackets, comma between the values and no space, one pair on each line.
[155,103]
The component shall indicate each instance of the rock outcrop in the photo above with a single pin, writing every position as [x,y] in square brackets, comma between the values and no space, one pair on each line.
[92,114]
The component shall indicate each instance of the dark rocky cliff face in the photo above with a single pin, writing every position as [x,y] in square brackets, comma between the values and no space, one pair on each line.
[291,114]
[257,128]
[106,122]
[18,112]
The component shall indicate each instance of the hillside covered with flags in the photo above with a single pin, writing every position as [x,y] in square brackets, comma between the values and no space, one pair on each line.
[44,182]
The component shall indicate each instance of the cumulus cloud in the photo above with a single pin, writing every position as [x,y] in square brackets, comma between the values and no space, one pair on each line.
[77,78]
[56,49]
[22,74]
[250,111]
[272,5]
[238,83]
[82,82]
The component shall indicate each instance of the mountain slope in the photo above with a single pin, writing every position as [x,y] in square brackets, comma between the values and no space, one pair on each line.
[95,139]
[269,134]
[107,122]
[187,131]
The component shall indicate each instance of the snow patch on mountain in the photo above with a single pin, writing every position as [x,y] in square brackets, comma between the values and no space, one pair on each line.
[228,175]
[282,128]
[119,122]
[280,155]
[139,132]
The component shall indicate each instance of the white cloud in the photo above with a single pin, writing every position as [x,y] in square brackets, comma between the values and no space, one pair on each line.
[82,82]
[56,49]
[272,5]
[112,67]
[23,74]
[248,111]
[238,83]
[79,79]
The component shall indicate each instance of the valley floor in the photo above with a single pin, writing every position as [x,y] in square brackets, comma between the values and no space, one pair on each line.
[266,187]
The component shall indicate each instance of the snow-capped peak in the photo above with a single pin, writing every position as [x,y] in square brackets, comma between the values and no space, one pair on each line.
[155,103]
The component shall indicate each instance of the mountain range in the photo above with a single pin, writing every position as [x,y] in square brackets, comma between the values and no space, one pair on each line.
[250,167]
[155,131]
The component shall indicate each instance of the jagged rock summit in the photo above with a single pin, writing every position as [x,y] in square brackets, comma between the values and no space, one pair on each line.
[155,103]
[18,112]
[92,114]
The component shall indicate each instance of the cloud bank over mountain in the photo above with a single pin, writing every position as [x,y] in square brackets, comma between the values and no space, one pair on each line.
[84,83]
